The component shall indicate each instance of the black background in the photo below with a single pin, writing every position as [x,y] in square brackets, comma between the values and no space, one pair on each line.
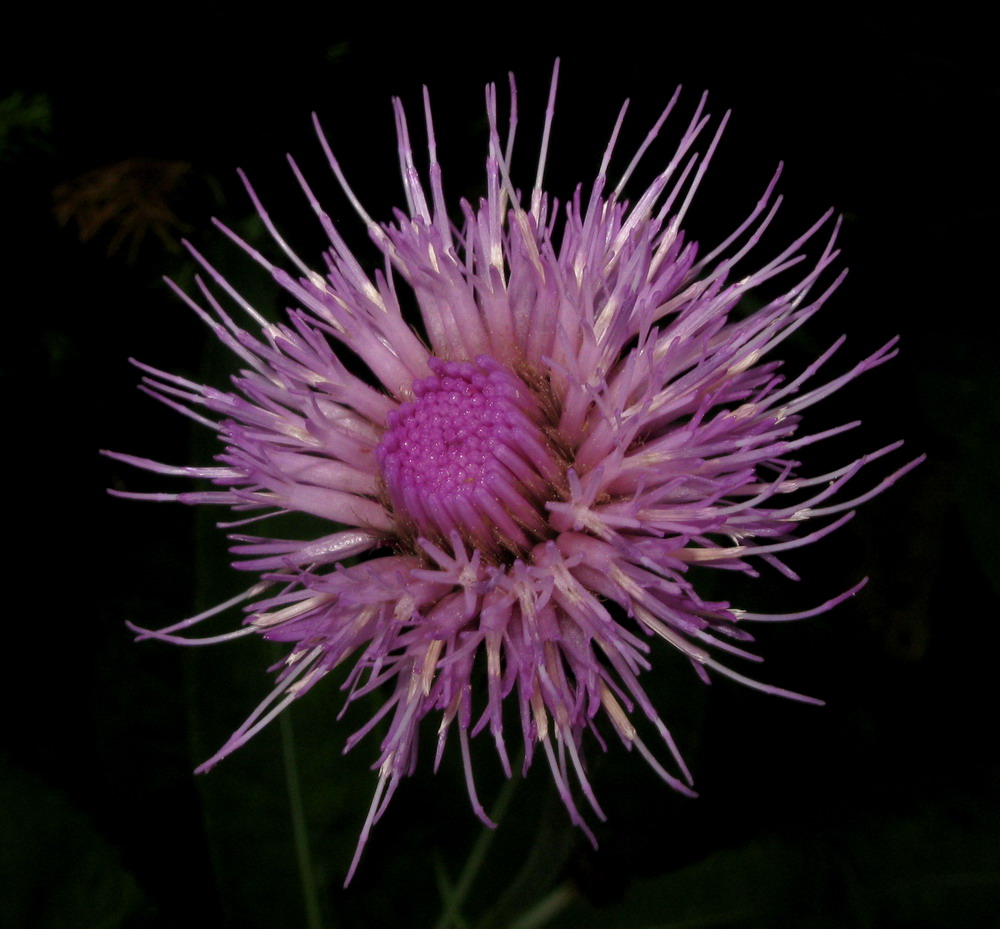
[878,810]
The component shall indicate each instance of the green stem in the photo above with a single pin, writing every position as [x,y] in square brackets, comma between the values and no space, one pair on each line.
[300,831]
[546,908]
[450,913]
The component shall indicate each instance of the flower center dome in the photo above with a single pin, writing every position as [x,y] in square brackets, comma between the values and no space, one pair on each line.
[468,453]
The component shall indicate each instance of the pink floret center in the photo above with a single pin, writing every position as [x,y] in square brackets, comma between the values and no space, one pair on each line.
[468,453]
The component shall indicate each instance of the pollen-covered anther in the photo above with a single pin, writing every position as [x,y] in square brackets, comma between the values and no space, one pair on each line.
[469,454]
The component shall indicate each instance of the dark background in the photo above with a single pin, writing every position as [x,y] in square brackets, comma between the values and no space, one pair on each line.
[879,810]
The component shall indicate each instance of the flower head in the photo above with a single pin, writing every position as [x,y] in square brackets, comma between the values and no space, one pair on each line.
[522,483]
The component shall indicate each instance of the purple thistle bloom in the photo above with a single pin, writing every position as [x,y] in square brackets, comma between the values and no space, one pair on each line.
[523,488]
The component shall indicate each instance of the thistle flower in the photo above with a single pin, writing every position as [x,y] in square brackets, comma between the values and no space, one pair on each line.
[520,486]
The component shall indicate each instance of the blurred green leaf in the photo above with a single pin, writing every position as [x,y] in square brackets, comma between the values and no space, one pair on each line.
[936,866]
[55,870]
[25,125]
